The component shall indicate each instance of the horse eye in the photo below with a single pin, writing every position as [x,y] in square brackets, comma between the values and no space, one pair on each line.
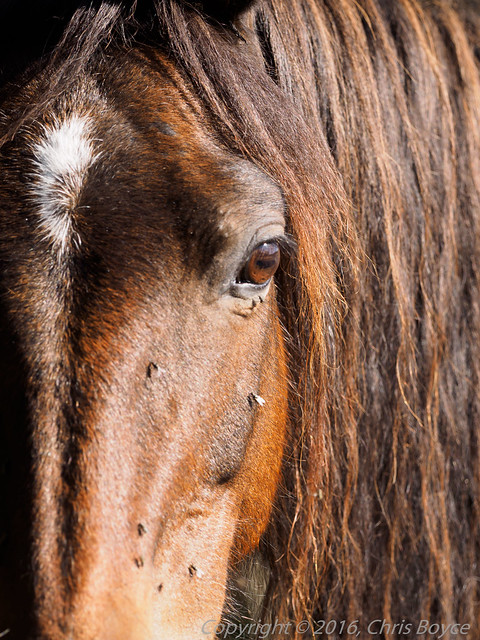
[262,264]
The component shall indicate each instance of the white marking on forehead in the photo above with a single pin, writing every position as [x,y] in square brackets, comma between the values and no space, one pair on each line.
[62,158]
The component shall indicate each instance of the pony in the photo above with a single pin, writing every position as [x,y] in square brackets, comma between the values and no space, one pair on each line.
[239,312]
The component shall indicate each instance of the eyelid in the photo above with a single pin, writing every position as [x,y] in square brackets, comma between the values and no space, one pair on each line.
[286,242]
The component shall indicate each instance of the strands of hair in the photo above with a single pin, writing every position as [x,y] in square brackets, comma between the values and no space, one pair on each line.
[367,113]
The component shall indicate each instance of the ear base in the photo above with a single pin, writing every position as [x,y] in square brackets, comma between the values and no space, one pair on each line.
[223,10]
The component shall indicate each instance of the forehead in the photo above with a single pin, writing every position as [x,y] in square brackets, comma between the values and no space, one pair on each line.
[129,152]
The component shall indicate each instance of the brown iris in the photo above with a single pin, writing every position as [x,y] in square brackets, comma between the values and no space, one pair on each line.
[262,263]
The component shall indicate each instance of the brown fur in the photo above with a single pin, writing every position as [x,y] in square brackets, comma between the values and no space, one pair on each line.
[367,114]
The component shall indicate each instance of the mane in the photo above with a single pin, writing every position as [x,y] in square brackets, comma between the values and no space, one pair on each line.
[367,113]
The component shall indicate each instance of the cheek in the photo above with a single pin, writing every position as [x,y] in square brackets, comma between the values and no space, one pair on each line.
[193,568]
[260,475]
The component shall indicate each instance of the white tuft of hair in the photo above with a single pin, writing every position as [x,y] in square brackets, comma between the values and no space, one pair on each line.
[62,158]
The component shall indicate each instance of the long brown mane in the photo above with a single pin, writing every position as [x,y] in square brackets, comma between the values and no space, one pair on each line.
[367,113]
